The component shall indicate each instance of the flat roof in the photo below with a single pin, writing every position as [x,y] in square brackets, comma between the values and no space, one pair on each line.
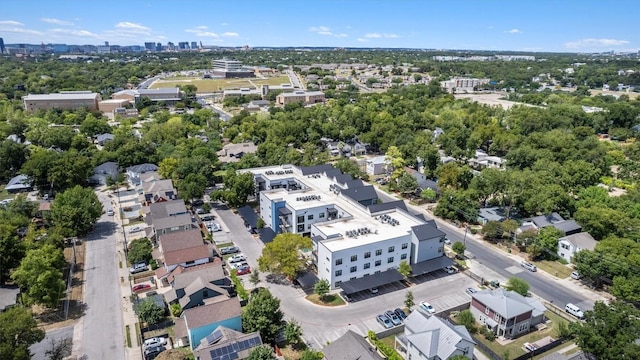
[371,281]
[114,101]
[61,96]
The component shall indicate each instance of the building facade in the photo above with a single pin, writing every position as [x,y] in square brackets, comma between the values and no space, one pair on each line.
[66,100]
[306,97]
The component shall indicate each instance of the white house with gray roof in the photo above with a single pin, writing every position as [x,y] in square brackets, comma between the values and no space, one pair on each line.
[351,346]
[428,337]
[569,245]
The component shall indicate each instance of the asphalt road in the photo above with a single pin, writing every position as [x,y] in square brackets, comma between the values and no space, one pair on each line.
[38,350]
[503,266]
[102,329]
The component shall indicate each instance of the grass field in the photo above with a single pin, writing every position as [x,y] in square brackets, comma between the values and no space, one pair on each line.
[212,85]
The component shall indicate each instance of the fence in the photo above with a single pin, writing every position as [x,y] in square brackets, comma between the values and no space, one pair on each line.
[540,350]
[388,332]
[153,327]
[486,350]
[559,311]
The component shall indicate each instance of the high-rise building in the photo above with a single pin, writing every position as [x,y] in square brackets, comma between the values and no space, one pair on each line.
[170,46]
[151,46]
[158,47]
[106,43]
[2,48]
[194,45]
[183,45]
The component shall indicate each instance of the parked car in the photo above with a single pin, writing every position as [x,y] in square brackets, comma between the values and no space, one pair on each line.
[447,241]
[208,218]
[152,352]
[243,270]
[574,310]
[138,267]
[140,287]
[395,320]
[471,291]
[238,265]
[154,341]
[236,258]
[110,212]
[530,347]
[373,291]
[135,229]
[229,250]
[450,269]
[213,227]
[199,211]
[427,307]
[576,275]
[401,314]
[529,266]
[346,297]
[384,321]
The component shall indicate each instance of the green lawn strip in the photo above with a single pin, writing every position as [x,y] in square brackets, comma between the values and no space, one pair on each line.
[554,268]
[127,330]
[329,300]
[138,333]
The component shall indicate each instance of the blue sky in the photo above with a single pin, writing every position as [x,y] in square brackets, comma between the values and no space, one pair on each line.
[519,25]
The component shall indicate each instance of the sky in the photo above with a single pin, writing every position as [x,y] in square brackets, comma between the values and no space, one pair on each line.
[516,25]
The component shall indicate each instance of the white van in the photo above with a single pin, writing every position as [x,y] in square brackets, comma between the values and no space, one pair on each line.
[574,310]
[110,212]
[529,266]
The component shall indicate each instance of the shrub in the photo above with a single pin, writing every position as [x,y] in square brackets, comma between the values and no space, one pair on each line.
[488,334]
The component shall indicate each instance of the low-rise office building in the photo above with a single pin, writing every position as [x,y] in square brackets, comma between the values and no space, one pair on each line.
[65,100]
[307,97]
[354,237]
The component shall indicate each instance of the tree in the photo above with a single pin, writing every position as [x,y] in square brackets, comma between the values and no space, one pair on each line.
[407,183]
[609,332]
[282,255]
[458,248]
[466,318]
[139,251]
[408,300]
[309,354]
[237,187]
[626,288]
[59,350]
[348,166]
[193,186]
[175,310]
[254,278]
[292,332]
[262,352]
[395,164]
[40,276]
[150,312]
[321,288]
[11,250]
[404,268]
[76,210]
[428,194]
[518,285]
[12,156]
[263,314]
[18,331]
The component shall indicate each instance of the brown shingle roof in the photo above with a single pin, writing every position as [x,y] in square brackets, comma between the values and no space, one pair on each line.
[186,255]
[180,240]
[212,313]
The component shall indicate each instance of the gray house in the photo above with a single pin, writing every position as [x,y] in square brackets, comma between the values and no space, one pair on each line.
[351,346]
[104,171]
[134,172]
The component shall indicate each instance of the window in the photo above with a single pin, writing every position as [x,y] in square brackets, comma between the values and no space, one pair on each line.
[338,283]
[301,218]
[440,250]
[442,239]
[390,260]
[378,252]
[496,317]
[310,217]
[403,257]
[367,254]
[523,327]
[486,310]
[353,278]
[378,262]
[301,228]
[564,246]
[392,249]
[338,272]
[321,216]
[367,265]
[353,269]
[405,245]
[338,261]
[354,258]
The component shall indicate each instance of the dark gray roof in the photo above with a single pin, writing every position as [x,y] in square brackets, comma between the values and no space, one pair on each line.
[427,231]
[167,208]
[371,281]
[107,167]
[343,178]
[427,266]
[333,173]
[18,182]
[353,183]
[427,184]
[142,168]
[568,227]
[492,213]
[397,204]
[307,170]
[224,344]
[350,346]
[360,194]
[8,296]
[546,220]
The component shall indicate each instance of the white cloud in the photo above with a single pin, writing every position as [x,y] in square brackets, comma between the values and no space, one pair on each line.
[202,33]
[586,43]
[202,27]
[56,21]
[362,40]
[75,32]
[323,30]
[343,35]
[11,23]
[391,36]
[131,26]
[20,30]
[230,34]
[514,31]
[373,36]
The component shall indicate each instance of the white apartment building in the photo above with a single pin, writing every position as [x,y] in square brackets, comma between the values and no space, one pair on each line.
[353,236]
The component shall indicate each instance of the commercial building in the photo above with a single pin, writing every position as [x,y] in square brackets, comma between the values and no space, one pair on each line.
[168,95]
[66,100]
[110,105]
[456,85]
[231,69]
[357,242]
[310,97]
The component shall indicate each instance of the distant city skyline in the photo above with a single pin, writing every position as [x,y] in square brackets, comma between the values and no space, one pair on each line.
[524,25]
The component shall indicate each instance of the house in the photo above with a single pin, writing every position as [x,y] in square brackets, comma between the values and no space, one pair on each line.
[567,227]
[351,346]
[103,172]
[202,320]
[423,182]
[428,337]
[18,184]
[157,191]
[437,132]
[376,165]
[149,177]
[101,139]
[224,343]
[134,172]
[571,244]
[181,277]
[8,297]
[506,313]
[201,291]
[482,160]
[491,214]
[184,248]
[234,152]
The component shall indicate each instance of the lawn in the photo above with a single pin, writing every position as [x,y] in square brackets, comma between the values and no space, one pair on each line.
[330,300]
[4,194]
[213,85]
[389,340]
[554,268]
[514,348]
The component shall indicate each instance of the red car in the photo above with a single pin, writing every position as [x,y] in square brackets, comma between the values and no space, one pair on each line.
[243,270]
[140,287]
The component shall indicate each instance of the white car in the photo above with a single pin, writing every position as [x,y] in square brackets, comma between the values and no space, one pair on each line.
[237,258]
[135,229]
[450,269]
[575,275]
[238,265]
[213,227]
[427,307]
[154,341]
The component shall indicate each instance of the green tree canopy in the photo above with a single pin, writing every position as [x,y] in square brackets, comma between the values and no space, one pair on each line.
[76,210]
[263,314]
[262,352]
[40,276]
[149,311]
[18,331]
[282,255]
[518,285]
[321,288]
